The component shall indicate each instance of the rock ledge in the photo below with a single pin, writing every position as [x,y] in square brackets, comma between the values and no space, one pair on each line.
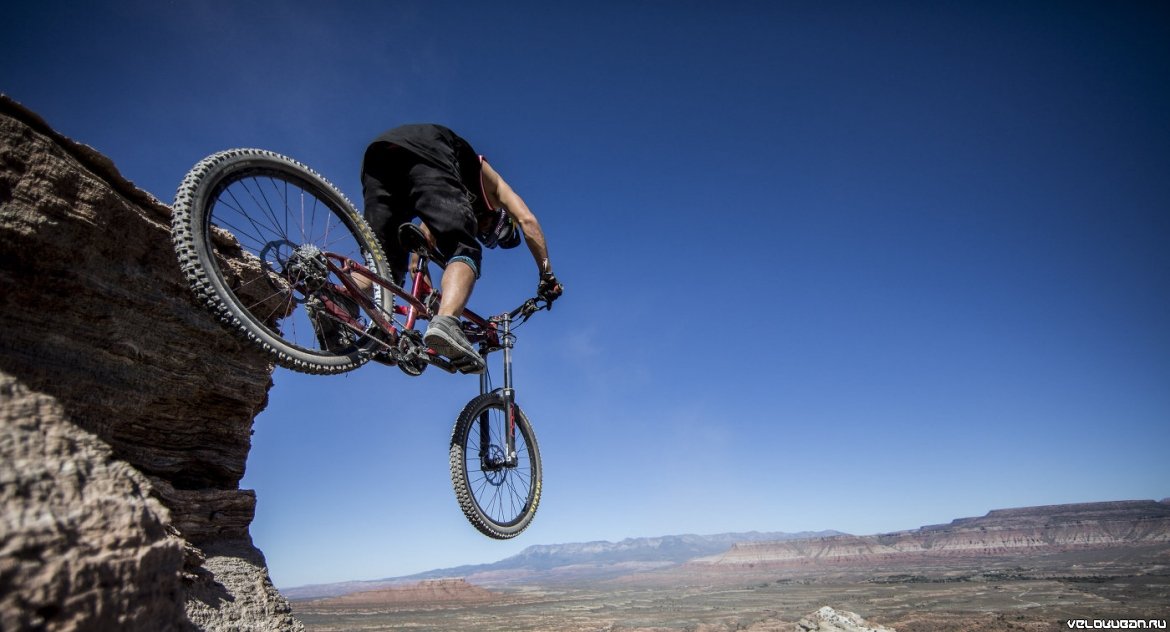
[125,411]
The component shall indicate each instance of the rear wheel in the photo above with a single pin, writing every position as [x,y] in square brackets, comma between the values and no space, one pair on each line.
[498,492]
[252,229]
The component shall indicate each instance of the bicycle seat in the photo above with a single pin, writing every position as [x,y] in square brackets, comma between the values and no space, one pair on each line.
[412,238]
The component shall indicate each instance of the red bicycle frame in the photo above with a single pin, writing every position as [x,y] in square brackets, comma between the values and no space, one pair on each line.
[415,308]
[491,333]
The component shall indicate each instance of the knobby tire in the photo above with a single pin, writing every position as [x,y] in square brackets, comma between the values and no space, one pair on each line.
[267,196]
[500,504]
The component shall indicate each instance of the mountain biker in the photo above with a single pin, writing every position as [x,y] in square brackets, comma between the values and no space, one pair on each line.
[429,172]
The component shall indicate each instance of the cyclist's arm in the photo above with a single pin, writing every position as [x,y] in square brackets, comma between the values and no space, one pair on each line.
[498,193]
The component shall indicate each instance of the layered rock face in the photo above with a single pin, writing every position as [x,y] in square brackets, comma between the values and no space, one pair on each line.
[125,411]
[1055,528]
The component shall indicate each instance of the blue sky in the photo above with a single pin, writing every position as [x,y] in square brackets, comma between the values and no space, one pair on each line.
[829,265]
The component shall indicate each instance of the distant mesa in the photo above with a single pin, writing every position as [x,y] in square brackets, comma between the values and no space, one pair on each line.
[1028,530]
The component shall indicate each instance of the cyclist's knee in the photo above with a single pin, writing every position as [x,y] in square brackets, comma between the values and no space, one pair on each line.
[467,261]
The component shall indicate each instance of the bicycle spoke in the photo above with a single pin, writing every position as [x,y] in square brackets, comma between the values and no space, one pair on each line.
[264,207]
[313,222]
[258,235]
[277,185]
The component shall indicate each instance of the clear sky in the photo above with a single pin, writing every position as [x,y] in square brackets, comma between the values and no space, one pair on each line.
[829,265]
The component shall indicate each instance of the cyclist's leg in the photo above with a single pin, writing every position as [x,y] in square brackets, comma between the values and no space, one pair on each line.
[457,282]
[440,200]
[386,191]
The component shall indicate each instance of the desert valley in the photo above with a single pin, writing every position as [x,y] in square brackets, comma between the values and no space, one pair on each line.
[1035,568]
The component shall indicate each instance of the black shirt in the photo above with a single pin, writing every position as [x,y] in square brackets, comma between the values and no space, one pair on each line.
[445,150]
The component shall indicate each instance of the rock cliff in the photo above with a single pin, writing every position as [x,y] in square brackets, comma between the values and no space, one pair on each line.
[125,411]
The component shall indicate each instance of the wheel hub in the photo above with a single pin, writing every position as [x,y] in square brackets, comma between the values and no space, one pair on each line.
[494,465]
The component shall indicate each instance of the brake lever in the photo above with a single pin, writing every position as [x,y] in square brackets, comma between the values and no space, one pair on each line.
[530,308]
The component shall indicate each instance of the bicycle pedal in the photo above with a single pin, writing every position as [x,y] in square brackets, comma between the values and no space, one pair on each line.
[384,358]
[468,364]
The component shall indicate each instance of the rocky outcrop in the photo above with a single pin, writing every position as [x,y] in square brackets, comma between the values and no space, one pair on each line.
[83,546]
[125,411]
[1049,529]
[829,620]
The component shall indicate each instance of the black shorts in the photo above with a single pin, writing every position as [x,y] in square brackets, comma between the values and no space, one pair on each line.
[398,187]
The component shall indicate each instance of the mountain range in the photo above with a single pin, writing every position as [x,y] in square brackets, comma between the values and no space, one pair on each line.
[1140,527]
[565,562]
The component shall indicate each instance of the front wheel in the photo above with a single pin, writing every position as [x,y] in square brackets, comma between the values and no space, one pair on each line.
[498,492]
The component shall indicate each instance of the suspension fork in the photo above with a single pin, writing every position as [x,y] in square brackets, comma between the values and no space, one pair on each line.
[509,395]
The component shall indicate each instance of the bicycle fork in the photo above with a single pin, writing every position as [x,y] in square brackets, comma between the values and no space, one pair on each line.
[509,394]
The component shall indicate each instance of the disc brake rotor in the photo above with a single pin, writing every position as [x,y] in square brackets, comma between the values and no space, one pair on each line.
[493,466]
[301,270]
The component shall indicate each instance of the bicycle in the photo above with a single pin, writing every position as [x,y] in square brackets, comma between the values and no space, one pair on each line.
[275,251]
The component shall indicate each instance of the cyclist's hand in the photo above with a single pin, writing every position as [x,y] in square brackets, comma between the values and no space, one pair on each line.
[549,288]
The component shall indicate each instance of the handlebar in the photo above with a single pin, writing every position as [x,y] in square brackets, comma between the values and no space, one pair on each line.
[530,307]
[490,336]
